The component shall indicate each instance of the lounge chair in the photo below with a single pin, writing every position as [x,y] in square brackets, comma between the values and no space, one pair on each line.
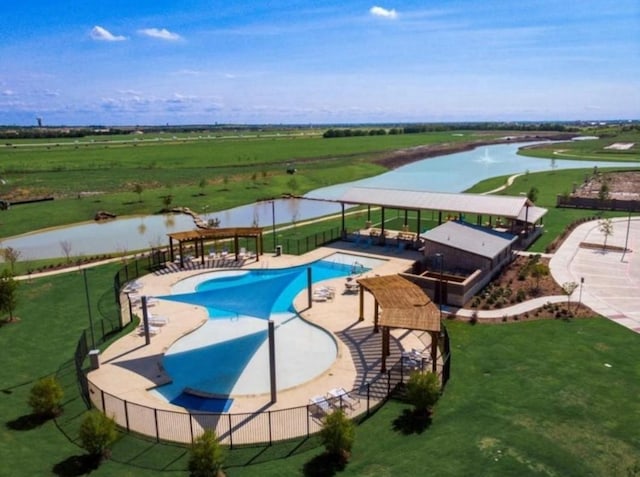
[153,330]
[323,293]
[158,320]
[341,398]
[319,406]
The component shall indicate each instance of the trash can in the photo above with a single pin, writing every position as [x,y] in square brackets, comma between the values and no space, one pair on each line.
[94,358]
[278,250]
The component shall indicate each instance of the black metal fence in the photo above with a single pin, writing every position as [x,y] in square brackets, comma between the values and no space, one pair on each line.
[232,429]
[299,246]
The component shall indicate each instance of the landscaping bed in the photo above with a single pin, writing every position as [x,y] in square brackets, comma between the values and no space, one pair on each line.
[526,278]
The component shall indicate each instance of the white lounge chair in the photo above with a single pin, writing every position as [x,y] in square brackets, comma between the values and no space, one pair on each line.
[158,320]
[319,406]
[153,330]
[341,398]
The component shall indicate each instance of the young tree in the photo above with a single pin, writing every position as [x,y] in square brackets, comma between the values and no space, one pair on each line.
[539,270]
[45,397]
[206,456]
[66,246]
[97,433]
[337,435]
[532,195]
[11,256]
[603,192]
[568,288]
[202,184]
[606,227]
[166,201]
[423,391]
[138,189]
[8,293]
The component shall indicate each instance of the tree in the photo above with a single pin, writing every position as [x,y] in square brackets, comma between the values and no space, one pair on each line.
[337,435]
[202,184]
[167,200]
[45,397]
[568,288]
[603,192]
[97,433]
[539,270]
[532,195]
[66,246]
[606,227]
[11,256]
[8,295]
[423,391]
[138,189]
[206,456]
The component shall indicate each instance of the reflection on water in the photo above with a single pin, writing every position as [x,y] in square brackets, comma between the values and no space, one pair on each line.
[452,173]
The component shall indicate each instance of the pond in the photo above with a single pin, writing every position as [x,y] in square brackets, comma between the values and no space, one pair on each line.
[450,173]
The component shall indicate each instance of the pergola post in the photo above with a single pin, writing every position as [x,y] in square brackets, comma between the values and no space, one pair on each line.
[383,368]
[171,248]
[376,310]
[235,246]
[361,310]
[418,228]
[344,227]
[435,336]
[381,239]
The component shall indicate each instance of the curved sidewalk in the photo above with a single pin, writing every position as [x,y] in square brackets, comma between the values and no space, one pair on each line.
[611,285]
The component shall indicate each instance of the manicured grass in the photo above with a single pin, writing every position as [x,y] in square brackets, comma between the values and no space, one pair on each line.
[549,185]
[529,398]
[593,149]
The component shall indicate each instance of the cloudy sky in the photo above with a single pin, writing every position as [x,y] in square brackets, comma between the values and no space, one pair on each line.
[206,61]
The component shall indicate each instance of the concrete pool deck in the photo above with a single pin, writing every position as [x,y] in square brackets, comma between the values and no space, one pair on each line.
[129,368]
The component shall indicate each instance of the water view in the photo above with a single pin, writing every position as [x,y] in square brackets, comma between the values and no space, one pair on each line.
[435,174]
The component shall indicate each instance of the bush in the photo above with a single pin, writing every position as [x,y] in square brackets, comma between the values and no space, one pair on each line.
[337,435]
[45,397]
[206,456]
[97,433]
[423,391]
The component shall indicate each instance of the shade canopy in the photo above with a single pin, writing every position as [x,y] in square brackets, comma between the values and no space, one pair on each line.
[252,299]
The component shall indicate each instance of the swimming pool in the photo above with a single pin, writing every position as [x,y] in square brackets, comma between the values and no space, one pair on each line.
[228,355]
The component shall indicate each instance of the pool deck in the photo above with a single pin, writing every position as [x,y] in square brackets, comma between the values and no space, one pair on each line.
[129,368]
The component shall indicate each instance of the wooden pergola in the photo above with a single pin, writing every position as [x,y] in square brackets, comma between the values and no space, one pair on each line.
[200,236]
[405,306]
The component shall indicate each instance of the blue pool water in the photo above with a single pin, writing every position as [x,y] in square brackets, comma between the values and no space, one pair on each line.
[229,354]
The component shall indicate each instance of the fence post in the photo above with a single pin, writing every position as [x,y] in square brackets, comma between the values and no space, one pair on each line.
[308,423]
[104,410]
[155,418]
[270,436]
[230,433]
[126,415]
[368,398]
[191,426]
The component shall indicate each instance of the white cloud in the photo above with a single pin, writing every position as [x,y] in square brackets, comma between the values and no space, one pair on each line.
[161,33]
[102,34]
[7,92]
[383,13]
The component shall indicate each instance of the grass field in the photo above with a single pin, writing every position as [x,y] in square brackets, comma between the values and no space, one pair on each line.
[526,399]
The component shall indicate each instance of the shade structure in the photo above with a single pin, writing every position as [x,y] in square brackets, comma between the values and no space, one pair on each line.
[254,299]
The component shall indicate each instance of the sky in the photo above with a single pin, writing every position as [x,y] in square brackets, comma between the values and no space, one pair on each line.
[156,62]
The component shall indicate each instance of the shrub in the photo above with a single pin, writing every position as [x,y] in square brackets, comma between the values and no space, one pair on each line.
[45,397]
[337,435]
[97,433]
[423,391]
[206,456]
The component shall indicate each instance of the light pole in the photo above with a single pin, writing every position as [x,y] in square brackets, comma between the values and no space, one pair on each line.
[273,216]
[580,293]
[86,292]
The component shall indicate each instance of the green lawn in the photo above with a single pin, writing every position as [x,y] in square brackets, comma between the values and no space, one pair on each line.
[529,398]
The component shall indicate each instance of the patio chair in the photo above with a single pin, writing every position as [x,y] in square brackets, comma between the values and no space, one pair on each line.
[319,406]
[341,398]
[158,320]
[153,330]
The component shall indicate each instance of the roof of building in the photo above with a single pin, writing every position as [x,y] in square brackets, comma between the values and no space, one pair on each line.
[404,304]
[470,238]
[499,205]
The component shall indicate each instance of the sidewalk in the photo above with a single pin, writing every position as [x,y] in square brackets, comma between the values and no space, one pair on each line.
[610,280]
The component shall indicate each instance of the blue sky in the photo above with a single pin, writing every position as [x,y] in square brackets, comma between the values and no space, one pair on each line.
[196,61]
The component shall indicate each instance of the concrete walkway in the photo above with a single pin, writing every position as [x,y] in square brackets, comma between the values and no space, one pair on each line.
[610,279]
